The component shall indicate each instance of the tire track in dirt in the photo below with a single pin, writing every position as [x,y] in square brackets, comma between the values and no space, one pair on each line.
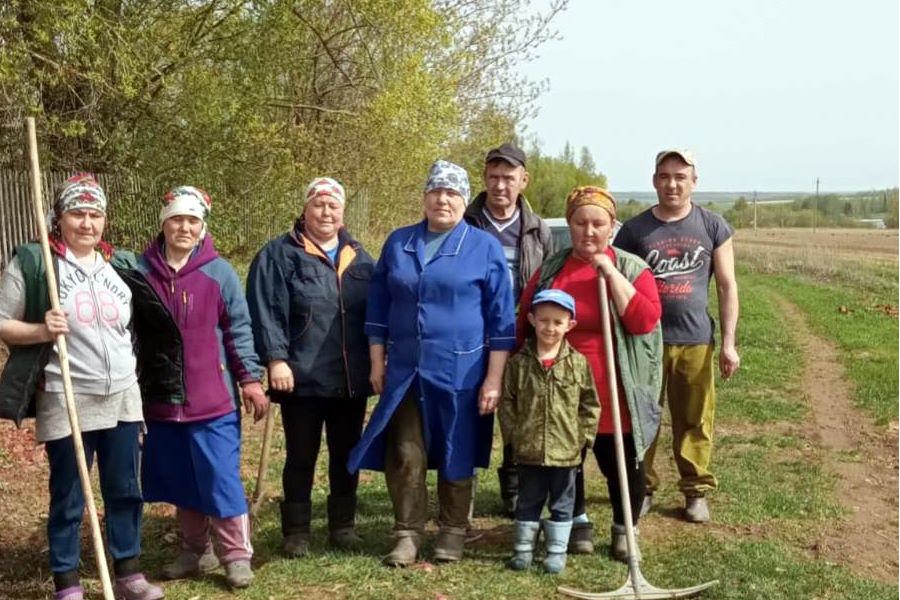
[862,455]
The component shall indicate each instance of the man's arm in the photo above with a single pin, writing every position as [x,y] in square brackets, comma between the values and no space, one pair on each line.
[727,291]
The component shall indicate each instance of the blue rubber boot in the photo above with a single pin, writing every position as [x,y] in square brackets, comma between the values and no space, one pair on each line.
[526,534]
[557,540]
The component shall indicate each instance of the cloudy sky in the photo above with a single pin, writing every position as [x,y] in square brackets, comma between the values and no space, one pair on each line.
[770,94]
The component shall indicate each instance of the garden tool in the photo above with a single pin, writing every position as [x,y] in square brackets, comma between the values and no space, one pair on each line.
[636,587]
[259,492]
[62,350]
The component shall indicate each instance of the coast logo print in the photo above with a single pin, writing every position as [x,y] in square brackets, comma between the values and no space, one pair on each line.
[674,263]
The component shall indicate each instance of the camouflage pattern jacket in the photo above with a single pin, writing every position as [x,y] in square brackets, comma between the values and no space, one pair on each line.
[549,415]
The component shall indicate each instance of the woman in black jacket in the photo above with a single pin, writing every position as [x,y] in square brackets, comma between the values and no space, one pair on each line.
[307,295]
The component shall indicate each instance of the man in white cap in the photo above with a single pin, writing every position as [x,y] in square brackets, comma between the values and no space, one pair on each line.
[685,244]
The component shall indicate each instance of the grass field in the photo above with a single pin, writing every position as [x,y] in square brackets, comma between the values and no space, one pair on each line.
[779,498]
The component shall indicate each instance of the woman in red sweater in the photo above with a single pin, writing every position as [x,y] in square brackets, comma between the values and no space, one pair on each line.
[635,312]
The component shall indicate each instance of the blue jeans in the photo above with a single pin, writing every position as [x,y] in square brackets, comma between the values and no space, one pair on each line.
[117,458]
[537,483]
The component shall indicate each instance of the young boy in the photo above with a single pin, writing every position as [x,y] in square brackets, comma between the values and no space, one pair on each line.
[549,413]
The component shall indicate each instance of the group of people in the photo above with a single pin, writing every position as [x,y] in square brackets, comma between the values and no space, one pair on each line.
[163,348]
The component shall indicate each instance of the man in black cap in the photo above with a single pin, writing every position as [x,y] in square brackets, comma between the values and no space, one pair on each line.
[503,211]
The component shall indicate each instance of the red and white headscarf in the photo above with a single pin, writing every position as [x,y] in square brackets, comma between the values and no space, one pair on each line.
[325,186]
[186,200]
[77,192]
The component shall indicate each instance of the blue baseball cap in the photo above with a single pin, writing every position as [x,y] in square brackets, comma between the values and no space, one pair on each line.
[556,297]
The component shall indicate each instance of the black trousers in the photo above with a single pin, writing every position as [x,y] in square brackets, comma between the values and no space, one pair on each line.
[303,419]
[605,453]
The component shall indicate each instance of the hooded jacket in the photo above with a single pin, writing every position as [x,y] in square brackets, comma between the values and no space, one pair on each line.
[194,340]
[536,243]
[548,415]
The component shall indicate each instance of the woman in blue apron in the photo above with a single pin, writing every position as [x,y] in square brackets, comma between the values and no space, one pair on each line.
[441,321]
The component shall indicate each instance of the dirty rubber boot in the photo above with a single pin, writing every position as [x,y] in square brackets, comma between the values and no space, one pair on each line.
[238,574]
[618,546]
[526,536]
[557,540]
[509,489]
[295,518]
[449,544]
[696,510]
[405,551]
[582,539]
[188,563]
[342,523]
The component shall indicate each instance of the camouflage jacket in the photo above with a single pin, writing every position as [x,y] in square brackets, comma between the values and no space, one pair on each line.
[549,415]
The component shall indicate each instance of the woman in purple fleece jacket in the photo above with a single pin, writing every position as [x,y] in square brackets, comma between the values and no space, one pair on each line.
[194,345]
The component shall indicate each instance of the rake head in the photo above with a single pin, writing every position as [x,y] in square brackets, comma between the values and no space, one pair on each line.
[638,588]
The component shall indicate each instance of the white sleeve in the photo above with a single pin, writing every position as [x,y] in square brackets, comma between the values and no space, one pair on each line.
[12,293]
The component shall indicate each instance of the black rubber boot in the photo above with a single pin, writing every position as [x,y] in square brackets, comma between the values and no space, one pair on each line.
[295,518]
[509,489]
[342,522]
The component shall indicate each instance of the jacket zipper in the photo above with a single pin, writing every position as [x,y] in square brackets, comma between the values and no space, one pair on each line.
[180,413]
[343,333]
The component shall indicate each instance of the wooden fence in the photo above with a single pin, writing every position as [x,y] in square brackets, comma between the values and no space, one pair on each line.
[133,209]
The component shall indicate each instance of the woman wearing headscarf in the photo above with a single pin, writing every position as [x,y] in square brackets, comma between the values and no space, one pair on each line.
[635,313]
[94,314]
[307,295]
[195,347]
[440,321]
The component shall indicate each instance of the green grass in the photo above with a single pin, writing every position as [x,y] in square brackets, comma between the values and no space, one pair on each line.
[866,336]
[773,500]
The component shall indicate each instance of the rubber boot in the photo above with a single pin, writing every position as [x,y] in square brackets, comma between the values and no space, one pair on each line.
[526,536]
[406,549]
[557,540]
[450,543]
[509,489]
[619,543]
[295,518]
[582,539]
[342,523]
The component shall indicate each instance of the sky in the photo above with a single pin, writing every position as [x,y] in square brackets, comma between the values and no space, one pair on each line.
[769,94]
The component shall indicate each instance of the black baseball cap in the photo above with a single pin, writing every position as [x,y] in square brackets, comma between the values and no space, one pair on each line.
[507,152]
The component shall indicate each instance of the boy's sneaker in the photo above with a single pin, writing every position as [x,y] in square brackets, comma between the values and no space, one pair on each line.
[136,587]
[238,573]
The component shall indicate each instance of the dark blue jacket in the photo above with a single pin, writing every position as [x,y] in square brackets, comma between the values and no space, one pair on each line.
[311,313]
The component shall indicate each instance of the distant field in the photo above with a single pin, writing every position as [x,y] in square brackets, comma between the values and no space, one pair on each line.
[879,244]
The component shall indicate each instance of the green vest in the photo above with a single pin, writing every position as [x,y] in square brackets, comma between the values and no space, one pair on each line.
[639,357]
[24,368]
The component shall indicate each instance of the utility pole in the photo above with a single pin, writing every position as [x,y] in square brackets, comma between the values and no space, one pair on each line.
[816,206]
[754,212]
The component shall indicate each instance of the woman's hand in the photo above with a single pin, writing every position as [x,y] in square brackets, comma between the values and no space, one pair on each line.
[603,264]
[56,323]
[281,378]
[489,396]
[376,367]
[255,400]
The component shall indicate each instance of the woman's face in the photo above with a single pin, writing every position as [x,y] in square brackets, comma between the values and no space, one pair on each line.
[444,208]
[590,227]
[324,216]
[182,232]
[82,228]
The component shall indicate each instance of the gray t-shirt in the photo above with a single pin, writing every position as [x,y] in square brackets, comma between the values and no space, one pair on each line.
[680,255]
